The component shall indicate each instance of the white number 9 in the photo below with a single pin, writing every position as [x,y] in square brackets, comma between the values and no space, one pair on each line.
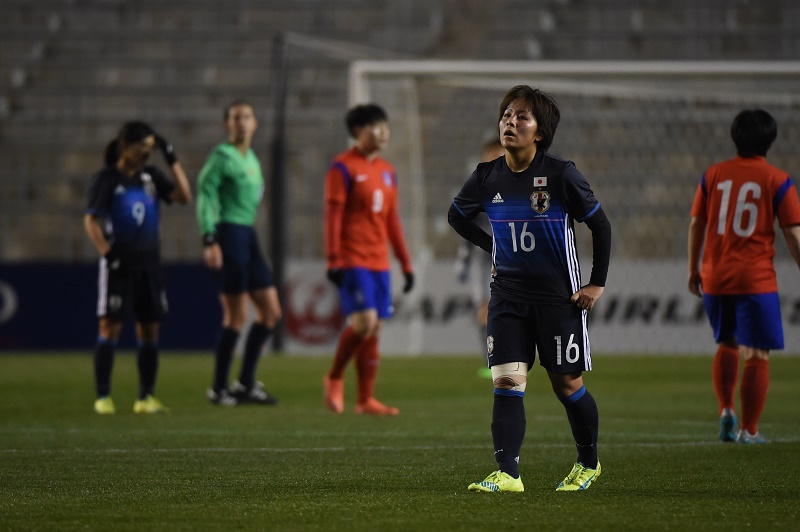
[137,211]
[377,200]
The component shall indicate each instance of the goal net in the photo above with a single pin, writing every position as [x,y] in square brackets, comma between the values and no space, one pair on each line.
[641,132]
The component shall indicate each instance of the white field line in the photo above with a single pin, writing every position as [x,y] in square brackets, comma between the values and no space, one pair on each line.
[373,448]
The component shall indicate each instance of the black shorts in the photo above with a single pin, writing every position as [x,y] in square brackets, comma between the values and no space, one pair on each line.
[135,290]
[516,331]
[244,268]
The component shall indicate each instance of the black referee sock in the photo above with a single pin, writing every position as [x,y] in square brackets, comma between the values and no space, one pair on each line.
[508,429]
[256,337]
[103,364]
[147,362]
[224,357]
[584,421]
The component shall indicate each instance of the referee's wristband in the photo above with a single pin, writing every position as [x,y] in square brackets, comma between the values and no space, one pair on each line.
[209,239]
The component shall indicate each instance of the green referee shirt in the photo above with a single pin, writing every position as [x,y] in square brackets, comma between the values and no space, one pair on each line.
[229,188]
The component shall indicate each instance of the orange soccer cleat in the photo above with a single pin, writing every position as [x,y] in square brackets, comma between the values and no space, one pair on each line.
[334,394]
[374,407]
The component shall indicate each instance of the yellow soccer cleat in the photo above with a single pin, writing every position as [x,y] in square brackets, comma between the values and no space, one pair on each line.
[498,481]
[104,405]
[149,405]
[580,478]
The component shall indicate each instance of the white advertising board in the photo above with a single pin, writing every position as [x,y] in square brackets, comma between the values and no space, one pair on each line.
[645,309]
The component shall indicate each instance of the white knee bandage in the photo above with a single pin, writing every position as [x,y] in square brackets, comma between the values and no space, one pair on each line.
[513,372]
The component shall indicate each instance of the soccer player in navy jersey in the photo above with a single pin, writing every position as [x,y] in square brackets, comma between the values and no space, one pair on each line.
[532,199]
[123,223]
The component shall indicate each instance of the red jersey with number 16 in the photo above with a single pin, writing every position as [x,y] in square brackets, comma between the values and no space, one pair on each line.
[361,214]
[739,199]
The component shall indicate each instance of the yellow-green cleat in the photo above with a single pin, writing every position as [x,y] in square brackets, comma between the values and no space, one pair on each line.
[149,405]
[498,481]
[580,478]
[104,405]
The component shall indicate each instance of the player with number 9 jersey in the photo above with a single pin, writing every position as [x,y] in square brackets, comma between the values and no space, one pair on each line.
[368,191]
[361,221]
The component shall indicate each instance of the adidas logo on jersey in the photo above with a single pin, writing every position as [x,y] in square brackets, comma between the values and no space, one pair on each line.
[497,198]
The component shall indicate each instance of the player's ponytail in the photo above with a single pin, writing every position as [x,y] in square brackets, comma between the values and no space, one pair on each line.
[112,153]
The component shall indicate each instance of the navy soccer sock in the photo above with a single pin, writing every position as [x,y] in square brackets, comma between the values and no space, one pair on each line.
[256,337]
[508,429]
[147,362]
[224,357]
[103,364]
[584,420]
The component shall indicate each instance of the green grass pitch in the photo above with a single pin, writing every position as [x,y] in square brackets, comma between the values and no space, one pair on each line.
[299,467]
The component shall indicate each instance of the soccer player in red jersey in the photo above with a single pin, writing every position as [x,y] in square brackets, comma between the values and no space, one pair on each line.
[733,214]
[361,217]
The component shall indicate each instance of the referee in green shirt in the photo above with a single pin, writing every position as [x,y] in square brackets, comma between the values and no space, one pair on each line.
[229,190]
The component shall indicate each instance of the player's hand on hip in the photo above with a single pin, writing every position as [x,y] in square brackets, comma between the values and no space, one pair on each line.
[113,259]
[212,256]
[409,284]
[696,284]
[335,276]
[586,297]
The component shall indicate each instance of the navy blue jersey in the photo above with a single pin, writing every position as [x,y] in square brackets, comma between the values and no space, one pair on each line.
[128,210]
[532,214]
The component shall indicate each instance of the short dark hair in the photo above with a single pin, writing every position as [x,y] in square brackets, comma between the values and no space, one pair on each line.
[130,133]
[365,114]
[235,103]
[544,109]
[134,131]
[753,131]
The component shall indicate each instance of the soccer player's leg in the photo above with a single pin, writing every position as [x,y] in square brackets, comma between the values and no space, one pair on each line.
[725,367]
[150,307]
[759,330]
[510,346]
[565,353]
[113,305]
[378,303]
[352,302]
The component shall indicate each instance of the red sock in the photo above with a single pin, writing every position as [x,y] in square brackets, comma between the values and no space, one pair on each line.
[755,381]
[348,344]
[724,373]
[367,367]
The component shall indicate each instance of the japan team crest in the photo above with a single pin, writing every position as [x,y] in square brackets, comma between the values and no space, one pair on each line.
[540,201]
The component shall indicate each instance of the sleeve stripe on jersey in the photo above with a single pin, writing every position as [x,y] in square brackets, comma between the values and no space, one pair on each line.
[348,181]
[703,185]
[781,193]
[589,215]
[572,257]
[459,210]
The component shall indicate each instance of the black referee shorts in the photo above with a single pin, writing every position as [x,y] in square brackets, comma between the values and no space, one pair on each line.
[516,331]
[244,268]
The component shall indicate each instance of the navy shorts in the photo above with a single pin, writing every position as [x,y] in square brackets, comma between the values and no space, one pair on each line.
[137,291]
[752,320]
[516,331]
[244,268]
[364,289]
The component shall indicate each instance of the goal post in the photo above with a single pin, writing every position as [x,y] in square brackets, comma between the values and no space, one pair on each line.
[636,129]
[641,132]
